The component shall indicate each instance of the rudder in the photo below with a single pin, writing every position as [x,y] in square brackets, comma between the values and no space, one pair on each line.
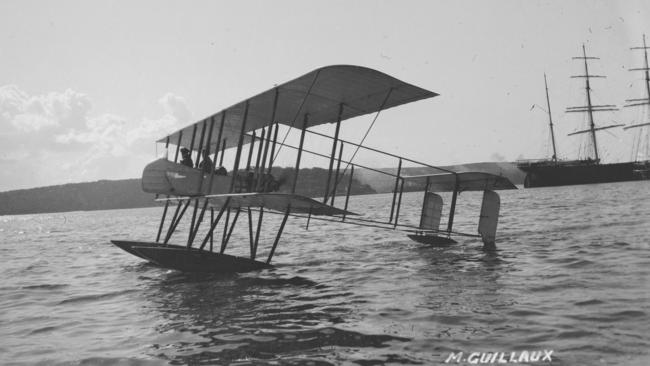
[431,211]
[487,224]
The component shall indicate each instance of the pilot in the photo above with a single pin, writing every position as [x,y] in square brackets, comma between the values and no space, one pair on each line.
[206,164]
[186,158]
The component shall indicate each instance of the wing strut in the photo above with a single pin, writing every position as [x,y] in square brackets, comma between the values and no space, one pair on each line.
[334,142]
[452,210]
[239,146]
[392,206]
[250,232]
[162,219]
[268,142]
[177,219]
[347,193]
[399,202]
[212,232]
[257,232]
[381,107]
[336,176]
[302,141]
[226,238]
[214,223]
[302,104]
[277,237]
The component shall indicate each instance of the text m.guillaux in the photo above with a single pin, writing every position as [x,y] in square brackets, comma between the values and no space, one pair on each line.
[476,358]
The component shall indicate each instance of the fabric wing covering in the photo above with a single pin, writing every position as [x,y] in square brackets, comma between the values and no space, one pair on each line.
[317,94]
[277,202]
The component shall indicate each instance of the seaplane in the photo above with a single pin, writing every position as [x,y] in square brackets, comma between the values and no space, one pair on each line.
[248,132]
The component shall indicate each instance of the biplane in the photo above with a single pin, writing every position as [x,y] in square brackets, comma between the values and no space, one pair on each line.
[248,132]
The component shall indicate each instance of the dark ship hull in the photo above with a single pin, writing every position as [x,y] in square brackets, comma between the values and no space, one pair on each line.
[564,173]
[553,172]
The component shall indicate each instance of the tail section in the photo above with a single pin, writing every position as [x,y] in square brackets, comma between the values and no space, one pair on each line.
[431,211]
[487,224]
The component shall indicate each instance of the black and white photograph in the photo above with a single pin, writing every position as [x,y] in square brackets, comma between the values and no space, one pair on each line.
[372,182]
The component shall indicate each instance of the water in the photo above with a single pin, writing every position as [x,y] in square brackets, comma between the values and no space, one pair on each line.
[571,275]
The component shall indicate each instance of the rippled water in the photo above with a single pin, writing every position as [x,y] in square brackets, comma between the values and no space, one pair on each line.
[571,274]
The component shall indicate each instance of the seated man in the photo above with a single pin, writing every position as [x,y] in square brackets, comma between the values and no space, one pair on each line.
[269,183]
[206,164]
[250,181]
[186,159]
[221,171]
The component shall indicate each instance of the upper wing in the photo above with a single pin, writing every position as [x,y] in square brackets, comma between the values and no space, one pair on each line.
[317,94]
[464,181]
[273,201]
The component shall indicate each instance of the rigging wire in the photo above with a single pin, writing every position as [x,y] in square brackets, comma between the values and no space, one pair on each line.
[351,160]
[302,104]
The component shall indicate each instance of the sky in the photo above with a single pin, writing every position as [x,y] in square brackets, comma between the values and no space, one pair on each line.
[86,87]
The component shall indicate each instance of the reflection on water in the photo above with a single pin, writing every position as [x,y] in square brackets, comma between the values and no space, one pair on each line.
[226,318]
[571,274]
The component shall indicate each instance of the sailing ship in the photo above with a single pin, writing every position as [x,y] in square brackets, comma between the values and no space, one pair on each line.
[557,172]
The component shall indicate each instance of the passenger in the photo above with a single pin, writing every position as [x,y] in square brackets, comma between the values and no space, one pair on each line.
[186,158]
[269,183]
[221,171]
[250,179]
[274,184]
[206,164]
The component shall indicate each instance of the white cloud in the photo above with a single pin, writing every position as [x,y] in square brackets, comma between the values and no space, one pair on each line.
[34,113]
[12,101]
[176,107]
[56,134]
[29,122]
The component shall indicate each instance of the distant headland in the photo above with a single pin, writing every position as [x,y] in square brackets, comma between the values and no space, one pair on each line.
[127,193]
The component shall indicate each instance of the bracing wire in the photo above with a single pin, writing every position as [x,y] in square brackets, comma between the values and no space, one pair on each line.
[302,104]
[351,160]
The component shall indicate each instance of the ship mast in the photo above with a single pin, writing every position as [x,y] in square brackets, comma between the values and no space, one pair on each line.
[641,101]
[590,107]
[646,100]
[647,70]
[550,120]
[592,126]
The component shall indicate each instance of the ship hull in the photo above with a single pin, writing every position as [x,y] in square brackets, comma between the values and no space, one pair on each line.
[558,174]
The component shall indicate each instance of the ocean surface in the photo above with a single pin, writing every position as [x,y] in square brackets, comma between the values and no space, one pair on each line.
[571,275]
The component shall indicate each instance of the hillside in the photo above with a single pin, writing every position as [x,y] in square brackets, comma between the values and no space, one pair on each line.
[100,195]
[117,194]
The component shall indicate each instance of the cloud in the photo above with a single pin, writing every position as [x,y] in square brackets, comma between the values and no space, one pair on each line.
[55,139]
[176,107]
[34,113]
